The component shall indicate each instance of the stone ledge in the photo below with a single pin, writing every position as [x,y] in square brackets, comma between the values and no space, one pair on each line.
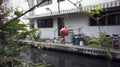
[76,48]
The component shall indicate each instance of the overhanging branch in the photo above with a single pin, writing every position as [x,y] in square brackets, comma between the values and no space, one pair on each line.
[10,21]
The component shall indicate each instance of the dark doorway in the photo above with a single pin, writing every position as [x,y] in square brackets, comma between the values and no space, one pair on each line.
[60,24]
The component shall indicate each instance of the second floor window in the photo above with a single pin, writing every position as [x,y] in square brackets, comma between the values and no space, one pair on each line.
[48,2]
[60,0]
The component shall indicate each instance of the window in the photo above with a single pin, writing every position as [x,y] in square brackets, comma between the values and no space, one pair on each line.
[106,21]
[118,19]
[45,23]
[48,2]
[60,0]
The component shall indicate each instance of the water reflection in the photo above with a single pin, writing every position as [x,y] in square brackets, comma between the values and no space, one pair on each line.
[60,59]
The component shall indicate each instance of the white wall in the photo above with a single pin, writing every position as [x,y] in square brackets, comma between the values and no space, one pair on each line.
[54,7]
[91,2]
[75,21]
[64,5]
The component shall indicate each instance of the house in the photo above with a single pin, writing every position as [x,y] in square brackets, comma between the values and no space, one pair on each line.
[71,14]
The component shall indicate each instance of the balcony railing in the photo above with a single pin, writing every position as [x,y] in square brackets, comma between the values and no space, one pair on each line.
[75,10]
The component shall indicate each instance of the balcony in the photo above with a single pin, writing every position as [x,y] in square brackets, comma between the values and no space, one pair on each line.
[75,10]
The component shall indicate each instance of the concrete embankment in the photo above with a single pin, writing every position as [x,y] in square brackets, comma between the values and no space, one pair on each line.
[79,49]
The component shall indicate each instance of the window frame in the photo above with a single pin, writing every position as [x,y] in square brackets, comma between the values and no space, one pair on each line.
[60,0]
[106,22]
[45,23]
[48,2]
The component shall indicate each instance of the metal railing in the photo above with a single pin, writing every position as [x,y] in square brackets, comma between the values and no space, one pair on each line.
[82,9]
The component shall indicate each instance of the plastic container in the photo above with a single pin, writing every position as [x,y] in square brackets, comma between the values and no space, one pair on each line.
[76,40]
[69,37]
[81,43]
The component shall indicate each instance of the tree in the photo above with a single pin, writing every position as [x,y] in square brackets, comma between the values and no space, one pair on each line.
[11,31]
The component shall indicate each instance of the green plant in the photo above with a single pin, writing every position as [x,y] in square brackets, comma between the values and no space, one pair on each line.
[10,36]
[11,31]
[100,41]
[105,43]
[94,42]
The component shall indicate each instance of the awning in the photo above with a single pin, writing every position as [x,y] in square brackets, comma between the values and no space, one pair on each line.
[75,10]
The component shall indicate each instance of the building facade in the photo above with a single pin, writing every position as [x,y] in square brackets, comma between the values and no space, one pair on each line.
[51,16]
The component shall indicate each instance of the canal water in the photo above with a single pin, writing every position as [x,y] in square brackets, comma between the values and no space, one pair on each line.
[65,59]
